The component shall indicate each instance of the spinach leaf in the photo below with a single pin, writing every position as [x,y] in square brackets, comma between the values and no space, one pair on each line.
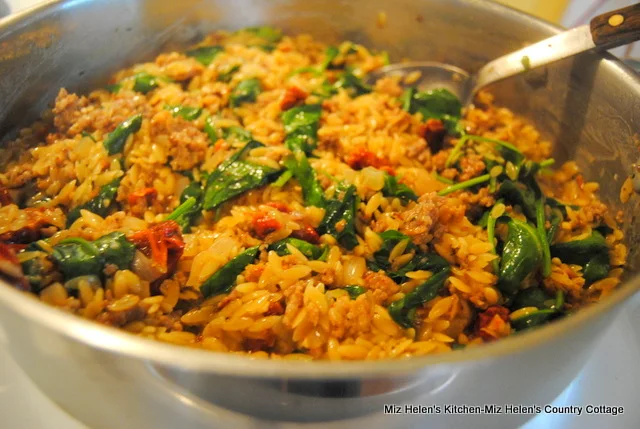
[535,318]
[579,252]
[555,204]
[407,100]
[425,261]
[38,271]
[514,156]
[314,71]
[530,297]
[596,269]
[205,54]
[547,309]
[115,249]
[483,220]
[271,36]
[355,291]
[299,166]
[508,151]
[99,204]
[226,75]
[325,90]
[592,253]
[604,230]
[352,84]
[115,141]
[330,54]
[402,311]
[521,256]
[223,280]
[555,219]
[114,88]
[390,239]
[542,235]
[339,218]
[186,112]
[392,188]
[78,257]
[86,134]
[144,82]
[517,194]
[236,176]
[246,92]
[422,261]
[190,206]
[301,127]
[434,104]
[233,135]
[309,250]
[236,134]
[465,185]
[283,179]
[210,130]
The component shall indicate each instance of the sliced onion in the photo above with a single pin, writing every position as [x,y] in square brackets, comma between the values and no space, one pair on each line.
[354,269]
[144,267]
[93,281]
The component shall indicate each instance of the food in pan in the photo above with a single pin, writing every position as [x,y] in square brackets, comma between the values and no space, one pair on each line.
[255,194]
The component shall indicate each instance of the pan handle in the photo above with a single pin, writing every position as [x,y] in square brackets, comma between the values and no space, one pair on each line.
[616,28]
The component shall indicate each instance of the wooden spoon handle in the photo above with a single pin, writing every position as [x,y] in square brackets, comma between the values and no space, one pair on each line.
[616,28]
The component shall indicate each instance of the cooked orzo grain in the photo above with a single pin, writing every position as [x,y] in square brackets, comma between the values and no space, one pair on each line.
[255,195]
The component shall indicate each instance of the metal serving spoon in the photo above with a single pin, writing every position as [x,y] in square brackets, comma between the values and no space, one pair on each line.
[606,31]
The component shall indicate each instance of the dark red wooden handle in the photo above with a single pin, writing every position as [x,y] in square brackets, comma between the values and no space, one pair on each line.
[616,28]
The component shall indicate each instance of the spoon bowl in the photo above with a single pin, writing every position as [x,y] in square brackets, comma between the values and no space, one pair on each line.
[606,31]
[428,75]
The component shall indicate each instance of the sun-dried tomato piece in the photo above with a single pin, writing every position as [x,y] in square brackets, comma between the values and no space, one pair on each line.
[433,131]
[361,158]
[259,344]
[292,96]
[275,309]
[147,194]
[307,233]
[281,207]
[5,196]
[162,243]
[263,225]
[487,324]
[10,267]
[37,219]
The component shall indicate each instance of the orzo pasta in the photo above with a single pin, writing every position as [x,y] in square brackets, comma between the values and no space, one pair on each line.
[256,195]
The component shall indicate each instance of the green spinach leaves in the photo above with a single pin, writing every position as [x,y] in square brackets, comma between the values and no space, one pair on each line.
[99,204]
[205,54]
[247,91]
[115,141]
[222,281]
[77,257]
[434,104]
[301,127]
[236,176]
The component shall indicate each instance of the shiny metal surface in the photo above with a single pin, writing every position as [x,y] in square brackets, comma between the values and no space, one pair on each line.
[589,106]
[432,76]
[464,85]
[545,52]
